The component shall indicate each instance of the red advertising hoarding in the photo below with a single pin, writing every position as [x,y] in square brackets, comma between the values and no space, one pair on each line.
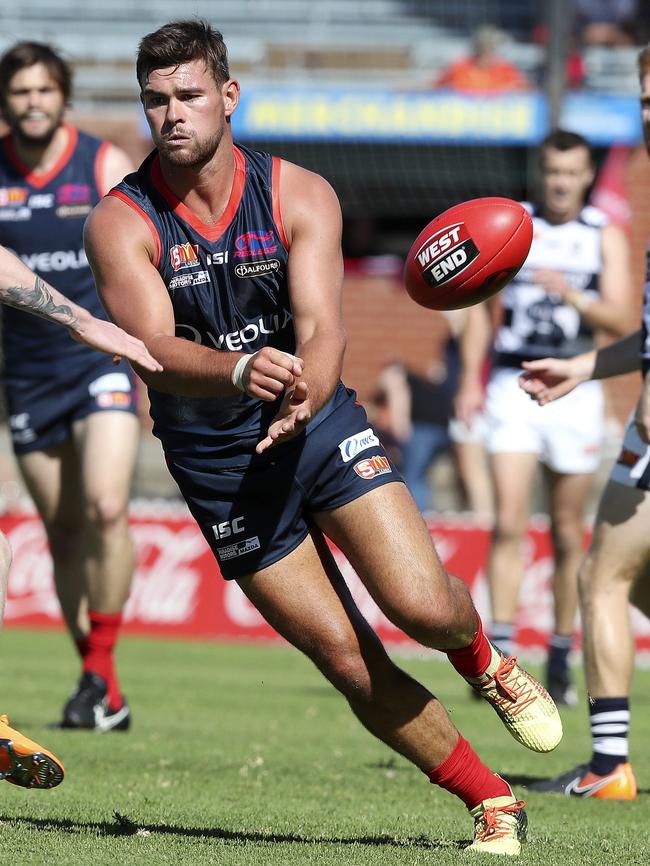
[179,592]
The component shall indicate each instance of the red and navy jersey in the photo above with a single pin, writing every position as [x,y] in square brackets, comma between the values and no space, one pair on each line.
[41,221]
[228,286]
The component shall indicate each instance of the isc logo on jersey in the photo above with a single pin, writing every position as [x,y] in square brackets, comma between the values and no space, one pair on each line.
[184,256]
[370,467]
[446,253]
[351,446]
[228,528]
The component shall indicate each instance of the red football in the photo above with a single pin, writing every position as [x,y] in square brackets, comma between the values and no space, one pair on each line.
[468,253]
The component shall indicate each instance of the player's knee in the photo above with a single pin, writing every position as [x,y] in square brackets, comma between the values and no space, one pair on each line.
[567,537]
[431,622]
[107,513]
[347,670]
[595,586]
[509,527]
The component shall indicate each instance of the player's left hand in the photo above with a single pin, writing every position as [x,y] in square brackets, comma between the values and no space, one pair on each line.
[547,379]
[107,337]
[294,415]
[553,282]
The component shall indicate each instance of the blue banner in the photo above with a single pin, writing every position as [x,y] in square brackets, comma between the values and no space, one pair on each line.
[335,115]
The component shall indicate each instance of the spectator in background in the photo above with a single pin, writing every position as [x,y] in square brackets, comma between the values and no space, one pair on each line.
[418,427]
[417,414]
[606,22]
[484,71]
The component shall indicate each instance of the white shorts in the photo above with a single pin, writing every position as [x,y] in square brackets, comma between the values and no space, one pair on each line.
[567,435]
[632,467]
[465,434]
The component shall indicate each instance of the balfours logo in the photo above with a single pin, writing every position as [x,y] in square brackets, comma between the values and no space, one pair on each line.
[446,253]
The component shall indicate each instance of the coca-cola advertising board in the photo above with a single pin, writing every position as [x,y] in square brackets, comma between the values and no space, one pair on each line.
[178,590]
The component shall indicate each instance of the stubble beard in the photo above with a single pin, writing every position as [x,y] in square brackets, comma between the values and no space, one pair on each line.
[26,140]
[197,155]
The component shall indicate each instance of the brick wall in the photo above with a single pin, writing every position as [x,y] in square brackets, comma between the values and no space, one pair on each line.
[384,324]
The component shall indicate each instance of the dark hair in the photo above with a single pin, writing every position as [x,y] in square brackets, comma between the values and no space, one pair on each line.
[644,61]
[181,42]
[562,139]
[25,54]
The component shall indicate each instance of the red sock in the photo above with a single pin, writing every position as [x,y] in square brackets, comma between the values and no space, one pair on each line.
[465,775]
[472,660]
[97,652]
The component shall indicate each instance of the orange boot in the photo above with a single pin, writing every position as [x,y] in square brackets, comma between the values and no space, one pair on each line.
[23,762]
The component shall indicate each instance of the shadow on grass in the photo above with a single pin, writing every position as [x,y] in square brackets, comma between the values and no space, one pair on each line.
[124,826]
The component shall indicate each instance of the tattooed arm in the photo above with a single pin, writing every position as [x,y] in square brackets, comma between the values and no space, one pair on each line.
[39,299]
[21,288]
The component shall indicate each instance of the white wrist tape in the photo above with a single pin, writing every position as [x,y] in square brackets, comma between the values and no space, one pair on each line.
[238,370]
[237,376]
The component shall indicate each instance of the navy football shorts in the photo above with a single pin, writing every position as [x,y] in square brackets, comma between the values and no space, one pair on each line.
[42,411]
[256,515]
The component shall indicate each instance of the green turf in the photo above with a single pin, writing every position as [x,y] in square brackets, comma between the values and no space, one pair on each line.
[244,755]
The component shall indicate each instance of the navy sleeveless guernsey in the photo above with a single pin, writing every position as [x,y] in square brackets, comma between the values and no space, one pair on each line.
[41,221]
[227,283]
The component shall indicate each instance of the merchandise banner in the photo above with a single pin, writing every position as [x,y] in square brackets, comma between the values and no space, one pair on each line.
[364,115]
[178,591]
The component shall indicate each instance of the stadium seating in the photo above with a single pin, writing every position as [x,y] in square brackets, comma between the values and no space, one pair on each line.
[394,43]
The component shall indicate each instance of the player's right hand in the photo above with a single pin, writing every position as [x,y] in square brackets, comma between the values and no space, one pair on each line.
[469,402]
[270,372]
[107,337]
[548,379]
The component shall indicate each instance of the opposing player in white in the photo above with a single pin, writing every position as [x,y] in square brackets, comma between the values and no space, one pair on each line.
[574,286]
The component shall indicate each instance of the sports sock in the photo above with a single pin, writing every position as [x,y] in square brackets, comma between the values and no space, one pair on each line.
[472,660]
[610,728]
[558,655]
[465,775]
[97,652]
[503,637]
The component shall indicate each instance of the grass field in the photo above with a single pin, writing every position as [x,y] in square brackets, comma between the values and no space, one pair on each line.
[244,755]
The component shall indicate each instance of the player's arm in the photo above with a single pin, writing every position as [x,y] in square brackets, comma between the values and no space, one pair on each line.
[115,164]
[21,288]
[312,220]
[547,379]
[613,311]
[122,251]
[474,342]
